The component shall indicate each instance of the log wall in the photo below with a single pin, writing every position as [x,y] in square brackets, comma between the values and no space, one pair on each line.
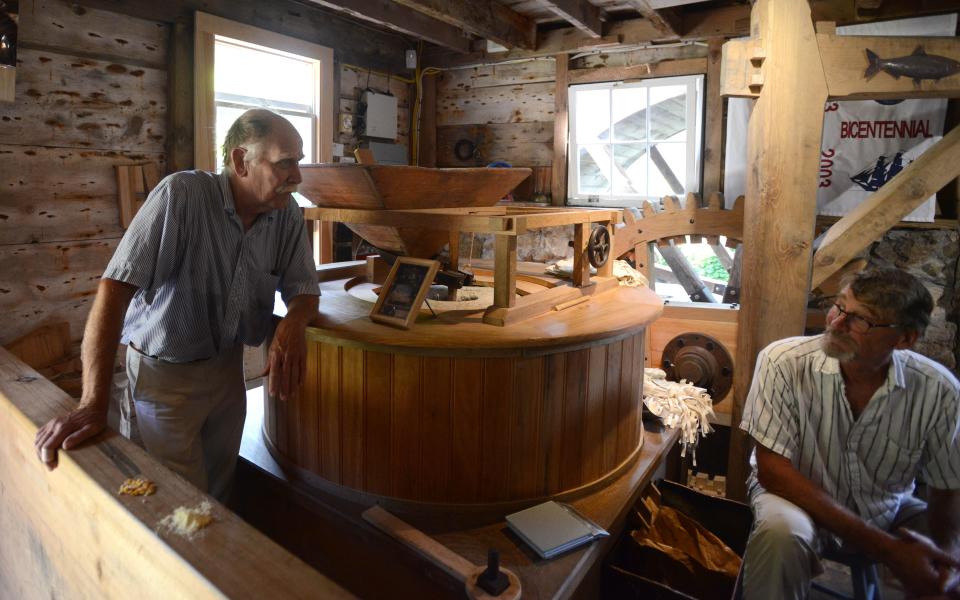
[353,80]
[90,94]
[507,110]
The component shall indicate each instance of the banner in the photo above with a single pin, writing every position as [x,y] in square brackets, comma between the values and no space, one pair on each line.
[865,143]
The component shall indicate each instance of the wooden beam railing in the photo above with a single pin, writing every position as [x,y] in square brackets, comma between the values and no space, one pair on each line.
[67,532]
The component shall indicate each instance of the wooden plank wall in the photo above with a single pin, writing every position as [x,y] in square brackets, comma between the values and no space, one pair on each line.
[67,533]
[353,80]
[507,110]
[90,94]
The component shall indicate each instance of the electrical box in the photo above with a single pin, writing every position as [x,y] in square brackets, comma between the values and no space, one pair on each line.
[387,154]
[380,120]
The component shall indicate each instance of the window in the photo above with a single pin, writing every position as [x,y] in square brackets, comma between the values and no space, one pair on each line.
[239,67]
[286,84]
[637,141]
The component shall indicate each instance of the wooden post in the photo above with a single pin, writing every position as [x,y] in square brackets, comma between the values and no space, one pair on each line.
[505,271]
[427,138]
[179,143]
[452,292]
[581,266]
[558,182]
[644,258]
[783,148]
[713,127]
[204,107]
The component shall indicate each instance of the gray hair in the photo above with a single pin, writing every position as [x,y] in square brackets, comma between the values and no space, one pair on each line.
[895,294]
[250,128]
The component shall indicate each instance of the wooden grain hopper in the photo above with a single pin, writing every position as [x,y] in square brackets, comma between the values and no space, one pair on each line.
[389,187]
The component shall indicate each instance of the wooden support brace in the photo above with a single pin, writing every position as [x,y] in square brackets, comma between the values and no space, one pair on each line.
[887,206]
[505,271]
[581,266]
[686,275]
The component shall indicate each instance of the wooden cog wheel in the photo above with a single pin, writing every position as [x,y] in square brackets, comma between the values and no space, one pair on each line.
[680,224]
[676,224]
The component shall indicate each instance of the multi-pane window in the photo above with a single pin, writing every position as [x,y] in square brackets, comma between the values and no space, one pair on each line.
[250,76]
[636,141]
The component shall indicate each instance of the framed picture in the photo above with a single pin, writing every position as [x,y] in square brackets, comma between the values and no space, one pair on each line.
[403,292]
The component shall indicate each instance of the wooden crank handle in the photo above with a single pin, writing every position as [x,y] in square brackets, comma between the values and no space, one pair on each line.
[457,566]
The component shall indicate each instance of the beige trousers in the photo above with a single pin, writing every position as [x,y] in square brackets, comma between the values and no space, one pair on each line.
[190,415]
[782,555]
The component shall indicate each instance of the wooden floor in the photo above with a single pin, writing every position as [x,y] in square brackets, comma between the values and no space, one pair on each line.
[837,578]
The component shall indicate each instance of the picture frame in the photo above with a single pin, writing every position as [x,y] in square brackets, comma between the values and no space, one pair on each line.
[403,292]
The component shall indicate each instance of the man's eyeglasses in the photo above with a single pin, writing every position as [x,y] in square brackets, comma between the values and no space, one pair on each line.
[854,322]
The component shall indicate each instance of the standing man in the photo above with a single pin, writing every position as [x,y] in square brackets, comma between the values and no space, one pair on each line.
[191,282]
[843,424]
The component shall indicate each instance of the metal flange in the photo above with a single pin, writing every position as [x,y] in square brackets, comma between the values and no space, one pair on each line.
[701,360]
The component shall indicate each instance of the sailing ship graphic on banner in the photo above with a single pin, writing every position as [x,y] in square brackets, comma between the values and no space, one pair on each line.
[866,143]
[878,173]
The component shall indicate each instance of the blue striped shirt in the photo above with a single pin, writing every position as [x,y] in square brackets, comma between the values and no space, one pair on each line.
[206,285]
[797,408]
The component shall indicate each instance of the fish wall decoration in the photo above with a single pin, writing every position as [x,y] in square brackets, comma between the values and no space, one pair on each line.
[917,66]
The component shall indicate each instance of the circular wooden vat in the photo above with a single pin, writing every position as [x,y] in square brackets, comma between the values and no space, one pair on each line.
[454,411]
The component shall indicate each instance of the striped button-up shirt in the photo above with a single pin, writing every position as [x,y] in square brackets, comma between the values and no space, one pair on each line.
[206,285]
[797,407]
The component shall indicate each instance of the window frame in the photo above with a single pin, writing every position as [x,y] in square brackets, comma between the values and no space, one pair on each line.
[695,103]
[207,29]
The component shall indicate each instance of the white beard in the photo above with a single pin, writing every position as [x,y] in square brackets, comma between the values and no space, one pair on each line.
[831,349]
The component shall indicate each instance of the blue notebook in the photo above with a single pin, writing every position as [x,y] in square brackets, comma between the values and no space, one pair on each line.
[553,528]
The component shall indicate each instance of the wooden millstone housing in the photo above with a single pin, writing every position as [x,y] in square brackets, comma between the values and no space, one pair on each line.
[522,387]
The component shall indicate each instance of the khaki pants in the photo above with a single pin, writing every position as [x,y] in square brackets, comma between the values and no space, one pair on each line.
[190,415]
[782,555]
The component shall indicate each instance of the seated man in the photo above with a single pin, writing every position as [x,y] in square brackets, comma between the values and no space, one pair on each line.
[843,423]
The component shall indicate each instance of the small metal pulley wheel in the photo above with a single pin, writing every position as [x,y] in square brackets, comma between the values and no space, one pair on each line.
[598,247]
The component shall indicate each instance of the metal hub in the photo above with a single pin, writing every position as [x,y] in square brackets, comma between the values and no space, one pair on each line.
[701,360]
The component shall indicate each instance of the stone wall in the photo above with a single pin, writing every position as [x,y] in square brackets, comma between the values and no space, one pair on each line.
[546,245]
[931,255]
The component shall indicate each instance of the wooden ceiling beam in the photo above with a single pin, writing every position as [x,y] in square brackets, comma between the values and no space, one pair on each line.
[403,19]
[666,21]
[581,14]
[484,18]
[300,19]
[719,23]
[850,12]
[845,63]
